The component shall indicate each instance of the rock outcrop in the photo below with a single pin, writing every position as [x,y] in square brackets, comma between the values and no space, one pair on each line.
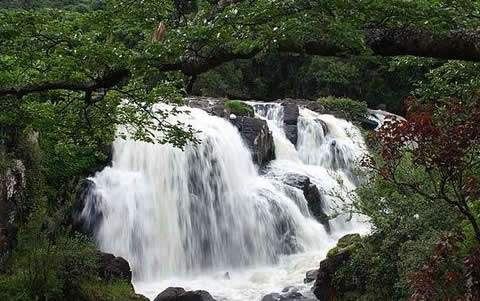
[312,195]
[336,257]
[179,294]
[257,136]
[212,106]
[12,187]
[290,120]
[110,267]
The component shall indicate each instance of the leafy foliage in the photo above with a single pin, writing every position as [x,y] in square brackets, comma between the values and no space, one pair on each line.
[348,106]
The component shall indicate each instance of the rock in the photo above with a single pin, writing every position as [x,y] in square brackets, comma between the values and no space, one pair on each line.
[110,267]
[289,289]
[212,106]
[323,287]
[238,108]
[179,294]
[291,295]
[259,139]
[84,219]
[344,244]
[170,294]
[312,195]
[310,276]
[314,106]
[290,119]
[368,124]
[12,187]
[271,297]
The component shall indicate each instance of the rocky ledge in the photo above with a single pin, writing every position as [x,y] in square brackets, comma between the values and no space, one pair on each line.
[312,195]
[323,288]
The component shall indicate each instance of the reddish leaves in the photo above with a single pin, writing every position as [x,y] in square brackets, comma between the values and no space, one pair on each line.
[443,277]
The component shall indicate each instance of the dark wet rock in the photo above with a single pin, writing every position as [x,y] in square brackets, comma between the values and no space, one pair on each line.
[312,195]
[368,124]
[292,294]
[310,276]
[257,136]
[339,114]
[113,268]
[212,106]
[179,294]
[85,223]
[271,297]
[170,294]
[338,256]
[12,188]
[314,106]
[290,120]
[289,289]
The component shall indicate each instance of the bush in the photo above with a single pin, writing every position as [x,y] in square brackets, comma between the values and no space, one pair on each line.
[351,107]
[46,264]
[239,108]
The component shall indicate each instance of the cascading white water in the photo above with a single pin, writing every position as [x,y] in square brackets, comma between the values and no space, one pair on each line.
[183,218]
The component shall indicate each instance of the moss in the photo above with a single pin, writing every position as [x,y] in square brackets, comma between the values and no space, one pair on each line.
[239,108]
[352,108]
[344,244]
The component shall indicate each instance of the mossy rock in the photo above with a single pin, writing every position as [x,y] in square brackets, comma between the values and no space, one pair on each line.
[239,108]
[345,244]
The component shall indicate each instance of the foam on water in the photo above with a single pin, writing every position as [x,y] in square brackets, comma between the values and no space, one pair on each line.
[184,218]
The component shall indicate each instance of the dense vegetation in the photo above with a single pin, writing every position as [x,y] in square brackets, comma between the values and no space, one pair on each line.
[72,71]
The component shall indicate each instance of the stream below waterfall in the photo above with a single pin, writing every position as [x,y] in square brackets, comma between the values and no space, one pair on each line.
[185,218]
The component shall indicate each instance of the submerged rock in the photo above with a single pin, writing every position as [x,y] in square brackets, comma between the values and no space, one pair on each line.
[257,136]
[310,276]
[312,195]
[179,294]
[288,294]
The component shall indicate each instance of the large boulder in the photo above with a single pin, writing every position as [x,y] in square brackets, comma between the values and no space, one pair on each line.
[179,294]
[12,187]
[290,120]
[212,106]
[323,288]
[257,136]
[312,195]
[110,267]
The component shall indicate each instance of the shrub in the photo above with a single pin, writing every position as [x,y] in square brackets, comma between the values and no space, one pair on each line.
[239,108]
[350,107]
[46,264]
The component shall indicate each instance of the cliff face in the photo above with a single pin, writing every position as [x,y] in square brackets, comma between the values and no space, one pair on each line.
[12,187]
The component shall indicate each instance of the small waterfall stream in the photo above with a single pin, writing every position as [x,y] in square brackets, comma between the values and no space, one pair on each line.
[184,218]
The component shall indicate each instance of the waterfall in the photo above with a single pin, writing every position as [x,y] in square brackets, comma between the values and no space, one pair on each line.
[180,216]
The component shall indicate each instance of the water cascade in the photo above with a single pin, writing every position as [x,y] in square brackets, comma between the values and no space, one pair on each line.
[184,218]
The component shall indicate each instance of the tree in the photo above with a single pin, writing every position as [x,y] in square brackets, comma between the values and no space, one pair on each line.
[442,142]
